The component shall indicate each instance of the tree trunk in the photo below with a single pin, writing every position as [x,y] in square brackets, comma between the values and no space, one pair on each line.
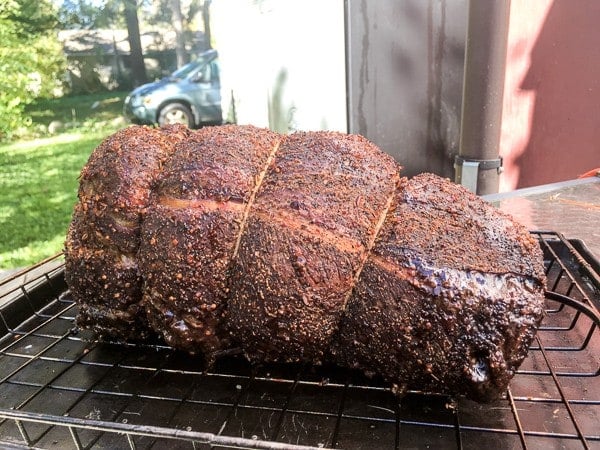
[182,56]
[138,69]
[206,20]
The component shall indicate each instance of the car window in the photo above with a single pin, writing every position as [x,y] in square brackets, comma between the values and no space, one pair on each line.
[188,68]
[210,72]
[214,71]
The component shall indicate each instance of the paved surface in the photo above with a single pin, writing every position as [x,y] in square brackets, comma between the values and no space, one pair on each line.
[570,208]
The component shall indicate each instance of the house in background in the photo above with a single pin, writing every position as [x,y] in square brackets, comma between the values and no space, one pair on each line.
[100,59]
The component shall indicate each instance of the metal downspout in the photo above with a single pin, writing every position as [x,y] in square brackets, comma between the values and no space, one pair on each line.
[478,164]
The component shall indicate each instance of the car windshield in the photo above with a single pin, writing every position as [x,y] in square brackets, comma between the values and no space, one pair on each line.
[188,68]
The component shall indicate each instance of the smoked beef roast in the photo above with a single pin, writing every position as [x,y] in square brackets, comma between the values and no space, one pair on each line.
[306,247]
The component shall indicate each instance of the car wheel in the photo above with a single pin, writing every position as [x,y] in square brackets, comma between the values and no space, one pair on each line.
[176,113]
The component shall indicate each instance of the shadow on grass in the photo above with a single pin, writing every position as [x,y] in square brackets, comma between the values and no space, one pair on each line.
[38,188]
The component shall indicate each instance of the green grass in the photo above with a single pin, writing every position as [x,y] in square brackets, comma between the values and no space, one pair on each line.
[38,188]
[39,174]
[92,112]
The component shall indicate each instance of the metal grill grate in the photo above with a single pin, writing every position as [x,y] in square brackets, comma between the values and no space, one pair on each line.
[59,388]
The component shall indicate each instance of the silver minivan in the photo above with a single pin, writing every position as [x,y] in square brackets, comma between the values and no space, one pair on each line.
[191,96]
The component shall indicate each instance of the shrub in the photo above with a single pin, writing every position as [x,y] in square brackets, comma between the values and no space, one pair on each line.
[31,59]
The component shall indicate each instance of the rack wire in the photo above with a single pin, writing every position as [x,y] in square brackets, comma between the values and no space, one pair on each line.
[61,388]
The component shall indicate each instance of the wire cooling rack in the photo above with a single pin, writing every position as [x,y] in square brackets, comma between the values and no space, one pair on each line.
[61,388]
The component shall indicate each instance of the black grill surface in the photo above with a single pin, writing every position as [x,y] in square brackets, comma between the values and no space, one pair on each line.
[61,388]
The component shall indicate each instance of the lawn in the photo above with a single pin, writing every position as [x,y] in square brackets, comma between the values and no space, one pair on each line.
[38,188]
[90,112]
[39,176]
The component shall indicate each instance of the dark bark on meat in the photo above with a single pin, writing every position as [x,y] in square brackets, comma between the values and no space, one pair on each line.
[308,234]
[103,238]
[448,301]
[190,232]
[307,247]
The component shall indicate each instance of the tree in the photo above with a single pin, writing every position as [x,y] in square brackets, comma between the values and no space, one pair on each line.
[31,59]
[180,16]
[138,68]
[206,22]
[94,14]
[182,56]
[90,14]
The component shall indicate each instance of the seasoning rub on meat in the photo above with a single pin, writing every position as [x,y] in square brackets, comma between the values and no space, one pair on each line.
[305,247]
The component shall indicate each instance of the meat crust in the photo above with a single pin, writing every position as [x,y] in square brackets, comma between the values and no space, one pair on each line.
[308,234]
[450,297]
[103,237]
[307,247]
[191,230]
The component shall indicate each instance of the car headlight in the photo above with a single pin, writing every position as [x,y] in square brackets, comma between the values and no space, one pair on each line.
[136,101]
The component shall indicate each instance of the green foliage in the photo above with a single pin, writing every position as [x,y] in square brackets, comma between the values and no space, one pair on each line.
[38,188]
[31,16]
[88,14]
[31,59]
[160,12]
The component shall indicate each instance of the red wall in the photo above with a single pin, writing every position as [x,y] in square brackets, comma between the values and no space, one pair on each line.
[551,110]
